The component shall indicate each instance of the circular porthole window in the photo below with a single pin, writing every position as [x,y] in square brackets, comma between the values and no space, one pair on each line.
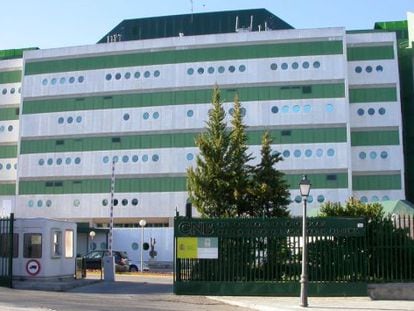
[126,117]
[371,111]
[358,69]
[134,246]
[77,160]
[242,68]
[284,66]
[190,156]
[373,155]
[155,158]
[384,154]
[124,202]
[362,155]
[364,199]
[48,203]
[360,112]
[286,153]
[76,203]
[275,109]
[144,158]
[118,76]
[104,202]
[320,198]
[147,74]
[156,73]
[295,65]
[381,111]
[221,69]
[298,199]
[319,152]
[190,113]
[125,159]
[330,152]
[134,202]
[316,64]
[273,66]
[232,69]
[134,158]
[127,75]
[156,115]
[200,70]
[368,69]
[137,74]
[145,115]
[71,80]
[81,79]
[44,82]
[108,76]
[210,70]
[105,159]
[190,71]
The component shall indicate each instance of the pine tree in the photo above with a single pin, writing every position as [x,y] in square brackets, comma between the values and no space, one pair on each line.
[239,158]
[269,195]
[209,183]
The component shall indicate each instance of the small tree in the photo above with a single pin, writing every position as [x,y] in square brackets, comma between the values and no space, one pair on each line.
[269,194]
[353,208]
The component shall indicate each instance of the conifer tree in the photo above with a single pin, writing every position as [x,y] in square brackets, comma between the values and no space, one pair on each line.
[209,183]
[238,159]
[269,195]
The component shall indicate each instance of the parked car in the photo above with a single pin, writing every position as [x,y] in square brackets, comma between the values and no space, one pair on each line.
[135,266]
[93,260]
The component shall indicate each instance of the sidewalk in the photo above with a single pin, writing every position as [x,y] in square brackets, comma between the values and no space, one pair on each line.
[317,303]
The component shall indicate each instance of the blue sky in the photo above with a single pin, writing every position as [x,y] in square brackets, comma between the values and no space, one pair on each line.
[58,23]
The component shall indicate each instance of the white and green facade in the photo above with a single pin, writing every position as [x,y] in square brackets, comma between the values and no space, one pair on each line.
[10,88]
[330,100]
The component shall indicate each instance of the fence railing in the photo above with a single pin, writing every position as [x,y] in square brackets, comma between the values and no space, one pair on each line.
[215,255]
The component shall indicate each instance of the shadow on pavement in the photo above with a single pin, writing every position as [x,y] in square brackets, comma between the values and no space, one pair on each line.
[125,288]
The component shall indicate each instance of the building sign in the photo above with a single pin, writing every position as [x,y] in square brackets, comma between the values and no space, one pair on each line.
[197,248]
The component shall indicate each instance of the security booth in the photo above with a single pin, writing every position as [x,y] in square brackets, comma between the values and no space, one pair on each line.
[44,249]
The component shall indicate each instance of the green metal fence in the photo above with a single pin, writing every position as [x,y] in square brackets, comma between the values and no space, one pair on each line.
[7,239]
[263,256]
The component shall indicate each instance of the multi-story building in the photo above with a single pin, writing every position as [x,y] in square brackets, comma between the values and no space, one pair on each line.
[10,88]
[329,98]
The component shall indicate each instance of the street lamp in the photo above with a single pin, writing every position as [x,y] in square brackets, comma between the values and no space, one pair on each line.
[142,223]
[304,187]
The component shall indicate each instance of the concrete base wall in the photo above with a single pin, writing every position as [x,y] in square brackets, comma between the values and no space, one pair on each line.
[391,291]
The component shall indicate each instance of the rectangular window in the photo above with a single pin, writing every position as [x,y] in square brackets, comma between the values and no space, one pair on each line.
[56,243]
[286,133]
[60,142]
[32,245]
[5,245]
[69,243]
[116,139]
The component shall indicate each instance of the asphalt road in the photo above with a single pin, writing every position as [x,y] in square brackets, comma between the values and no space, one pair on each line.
[127,293]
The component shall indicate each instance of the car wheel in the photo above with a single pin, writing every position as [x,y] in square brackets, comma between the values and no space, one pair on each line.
[133,268]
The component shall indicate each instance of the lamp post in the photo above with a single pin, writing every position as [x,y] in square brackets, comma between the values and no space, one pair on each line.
[304,187]
[142,223]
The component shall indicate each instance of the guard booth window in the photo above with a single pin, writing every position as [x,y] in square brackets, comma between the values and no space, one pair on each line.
[56,243]
[69,243]
[32,245]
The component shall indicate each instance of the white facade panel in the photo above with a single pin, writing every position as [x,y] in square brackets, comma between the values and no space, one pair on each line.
[376,158]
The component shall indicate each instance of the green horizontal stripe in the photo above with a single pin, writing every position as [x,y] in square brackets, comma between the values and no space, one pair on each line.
[375,138]
[155,184]
[9,114]
[7,189]
[185,56]
[8,152]
[10,76]
[152,184]
[370,53]
[376,182]
[369,95]
[320,181]
[177,140]
[335,90]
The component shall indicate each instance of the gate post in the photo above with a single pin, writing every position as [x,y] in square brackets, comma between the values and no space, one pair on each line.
[11,245]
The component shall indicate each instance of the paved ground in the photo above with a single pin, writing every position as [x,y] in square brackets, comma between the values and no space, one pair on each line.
[154,292]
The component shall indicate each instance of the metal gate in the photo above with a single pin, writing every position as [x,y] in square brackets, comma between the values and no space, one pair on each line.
[263,256]
[6,250]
